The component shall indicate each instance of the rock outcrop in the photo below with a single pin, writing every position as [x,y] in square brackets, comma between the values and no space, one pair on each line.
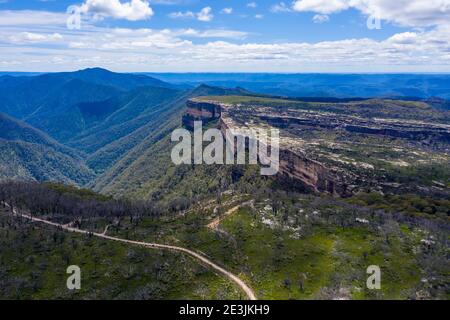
[200,111]
[336,148]
[293,165]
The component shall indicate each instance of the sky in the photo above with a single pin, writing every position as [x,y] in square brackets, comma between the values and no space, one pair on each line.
[335,36]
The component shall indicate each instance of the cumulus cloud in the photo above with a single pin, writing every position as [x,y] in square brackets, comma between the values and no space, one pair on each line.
[227,10]
[321,18]
[410,13]
[321,6]
[133,10]
[31,18]
[169,49]
[181,15]
[404,38]
[252,5]
[31,37]
[212,33]
[280,7]
[23,48]
[205,14]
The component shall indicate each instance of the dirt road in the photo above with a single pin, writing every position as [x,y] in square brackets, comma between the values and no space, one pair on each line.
[248,291]
[213,225]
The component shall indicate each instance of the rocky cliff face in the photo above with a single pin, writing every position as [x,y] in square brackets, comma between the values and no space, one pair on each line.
[390,128]
[311,174]
[200,111]
[340,148]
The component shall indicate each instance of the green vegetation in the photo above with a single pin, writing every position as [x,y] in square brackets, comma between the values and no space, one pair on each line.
[410,204]
[34,260]
[370,108]
[291,246]
[285,244]
[82,193]
[28,161]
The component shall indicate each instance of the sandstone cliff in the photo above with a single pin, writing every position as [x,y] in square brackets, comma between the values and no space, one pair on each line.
[293,165]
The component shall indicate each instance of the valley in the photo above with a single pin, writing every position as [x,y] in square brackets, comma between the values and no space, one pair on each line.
[86,156]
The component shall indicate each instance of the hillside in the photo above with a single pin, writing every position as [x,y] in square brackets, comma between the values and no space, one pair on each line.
[107,118]
[78,100]
[28,161]
[27,153]
[63,114]
[149,160]
[132,110]
[361,182]
[15,130]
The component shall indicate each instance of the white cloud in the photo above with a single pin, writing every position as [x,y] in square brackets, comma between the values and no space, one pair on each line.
[280,7]
[404,38]
[30,17]
[227,10]
[252,5]
[30,45]
[321,18]
[153,50]
[410,13]
[212,33]
[133,10]
[321,6]
[205,14]
[181,15]
[31,37]
[259,16]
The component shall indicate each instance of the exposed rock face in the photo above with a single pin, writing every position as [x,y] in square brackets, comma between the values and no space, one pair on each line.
[200,111]
[396,129]
[293,165]
[338,148]
[312,174]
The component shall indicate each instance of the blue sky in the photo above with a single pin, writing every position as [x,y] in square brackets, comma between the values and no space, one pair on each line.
[227,35]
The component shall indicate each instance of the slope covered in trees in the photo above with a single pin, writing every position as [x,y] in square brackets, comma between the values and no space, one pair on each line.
[27,153]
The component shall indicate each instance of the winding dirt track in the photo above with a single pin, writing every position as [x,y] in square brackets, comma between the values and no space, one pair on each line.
[248,291]
[213,225]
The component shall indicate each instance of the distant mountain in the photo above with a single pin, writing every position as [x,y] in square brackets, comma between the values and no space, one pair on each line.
[94,121]
[73,108]
[133,110]
[19,74]
[27,153]
[15,130]
[323,85]
[20,96]
[124,81]
[66,104]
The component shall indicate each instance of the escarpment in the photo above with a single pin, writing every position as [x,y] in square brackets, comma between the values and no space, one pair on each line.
[311,174]
[200,111]
[332,148]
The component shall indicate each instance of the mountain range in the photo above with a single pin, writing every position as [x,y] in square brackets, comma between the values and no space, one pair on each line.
[361,182]
[322,85]
[86,127]
[111,131]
